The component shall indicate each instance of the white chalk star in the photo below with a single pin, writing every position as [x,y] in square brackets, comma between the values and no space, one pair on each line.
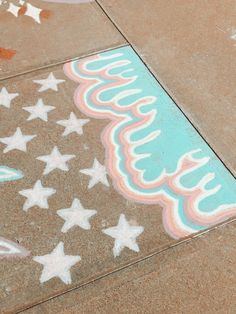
[37,196]
[33,12]
[76,215]
[16,141]
[14,9]
[49,83]
[97,173]
[57,264]
[55,160]
[39,111]
[125,235]
[233,34]
[73,125]
[6,98]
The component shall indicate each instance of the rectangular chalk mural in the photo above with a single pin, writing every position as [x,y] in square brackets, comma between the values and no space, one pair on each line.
[57,172]
[153,154]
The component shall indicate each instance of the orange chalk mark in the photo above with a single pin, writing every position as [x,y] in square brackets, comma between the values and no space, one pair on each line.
[22,11]
[6,54]
[45,14]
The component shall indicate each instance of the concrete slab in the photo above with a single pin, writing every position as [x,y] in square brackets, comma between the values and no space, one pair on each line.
[81,196]
[190,46]
[40,33]
[196,277]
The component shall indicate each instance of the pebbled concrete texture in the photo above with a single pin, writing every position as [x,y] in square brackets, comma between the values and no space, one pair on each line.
[194,277]
[190,46]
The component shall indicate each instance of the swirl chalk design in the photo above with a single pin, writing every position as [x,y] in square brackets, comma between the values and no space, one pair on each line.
[9,174]
[153,154]
[9,248]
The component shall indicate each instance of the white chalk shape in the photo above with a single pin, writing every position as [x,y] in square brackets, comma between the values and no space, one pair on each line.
[125,235]
[49,83]
[33,12]
[6,97]
[233,34]
[37,196]
[73,125]
[57,264]
[97,173]
[55,160]
[76,215]
[16,141]
[39,111]
[14,9]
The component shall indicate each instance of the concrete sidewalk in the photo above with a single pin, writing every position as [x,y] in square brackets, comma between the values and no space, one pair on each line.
[117,157]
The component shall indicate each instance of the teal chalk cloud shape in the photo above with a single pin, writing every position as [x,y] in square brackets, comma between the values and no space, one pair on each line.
[153,154]
[9,174]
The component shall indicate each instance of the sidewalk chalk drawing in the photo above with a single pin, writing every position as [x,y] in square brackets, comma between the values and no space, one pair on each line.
[9,248]
[9,174]
[232,32]
[19,8]
[24,8]
[153,154]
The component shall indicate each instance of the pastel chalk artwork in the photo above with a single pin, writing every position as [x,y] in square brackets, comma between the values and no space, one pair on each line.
[233,33]
[9,174]
[73,125]
[37,196]
[76,215]
[117,156]
[49,83]
[125,235]
[97,173]
[22,8]
[57,264]
[38,111]
[153,154]
[55,160]
[6,98]
[18,141]
[8,248]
